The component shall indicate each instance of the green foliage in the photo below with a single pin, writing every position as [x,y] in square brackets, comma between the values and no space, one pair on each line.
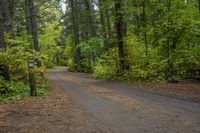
[4,85]
[20,48]
[103,72]
[15,91]
[69,52]
[18,90]
[92,47]
[106,66]
[91,50]
[48,43]
[161,39]
[16,58]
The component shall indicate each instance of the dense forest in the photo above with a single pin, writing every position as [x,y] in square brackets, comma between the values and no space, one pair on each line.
[127,40]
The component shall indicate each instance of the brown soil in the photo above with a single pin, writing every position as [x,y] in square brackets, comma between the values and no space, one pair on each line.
[188,91]
[55,113]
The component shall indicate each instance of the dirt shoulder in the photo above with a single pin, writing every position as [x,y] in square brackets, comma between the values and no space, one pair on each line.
[55,113]
[186,91]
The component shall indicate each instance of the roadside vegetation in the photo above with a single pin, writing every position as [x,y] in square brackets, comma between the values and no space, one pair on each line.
[125,40]
[133,40]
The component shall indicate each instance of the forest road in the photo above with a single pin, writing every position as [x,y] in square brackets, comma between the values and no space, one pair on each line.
[119,108]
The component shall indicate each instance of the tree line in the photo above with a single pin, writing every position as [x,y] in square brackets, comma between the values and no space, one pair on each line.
[138,39]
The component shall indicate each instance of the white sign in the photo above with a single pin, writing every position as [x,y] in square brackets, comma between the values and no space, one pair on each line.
[31,63]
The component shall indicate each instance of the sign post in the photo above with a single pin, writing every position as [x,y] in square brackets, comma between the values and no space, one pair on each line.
[31,77]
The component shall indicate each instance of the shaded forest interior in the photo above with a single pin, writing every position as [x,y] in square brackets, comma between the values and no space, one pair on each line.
[131,40]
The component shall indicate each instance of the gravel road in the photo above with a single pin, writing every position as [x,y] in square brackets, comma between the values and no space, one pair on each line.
[119,108]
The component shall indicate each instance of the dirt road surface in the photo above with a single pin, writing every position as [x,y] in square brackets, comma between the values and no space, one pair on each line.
[77,103]
[118,108]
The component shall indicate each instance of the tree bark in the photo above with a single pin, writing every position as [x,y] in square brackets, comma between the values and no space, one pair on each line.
[120,35]
[102,19]
[73,4]
[34,27]
[90,18]
[28,20]
[2,37]
[11,10]
[5,14]
[4,23]
[199,5]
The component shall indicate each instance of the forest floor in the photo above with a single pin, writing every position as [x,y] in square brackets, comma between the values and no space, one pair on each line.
[78,103]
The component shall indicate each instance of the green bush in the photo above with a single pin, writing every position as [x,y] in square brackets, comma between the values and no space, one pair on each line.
[16,91]
[106,66]
[16,59]
[4,86]
[103,72]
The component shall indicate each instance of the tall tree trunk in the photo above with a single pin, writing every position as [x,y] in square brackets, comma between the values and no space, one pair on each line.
[90,18]
[34,27]
[2,37]
[103,26]
[120,36]
[4,23]
[11,10]
[28,20]
[31,25]
[74,8]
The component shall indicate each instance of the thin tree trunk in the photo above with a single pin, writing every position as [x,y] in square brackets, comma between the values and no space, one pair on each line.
[28,20]
[144,26]
[168,73]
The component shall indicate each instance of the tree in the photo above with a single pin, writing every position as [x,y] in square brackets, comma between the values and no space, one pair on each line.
[74,15]
[103,23]
[28,17]
[144,2]
[199,5]
[90,17]
[32,23]
[4,23]
[120,35]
